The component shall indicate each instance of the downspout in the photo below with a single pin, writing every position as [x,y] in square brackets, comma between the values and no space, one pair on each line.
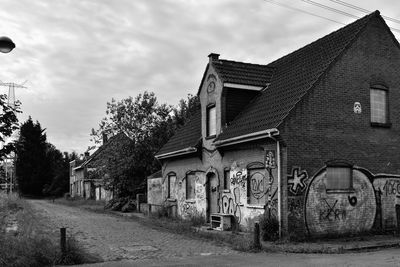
[278,162]
[278,152]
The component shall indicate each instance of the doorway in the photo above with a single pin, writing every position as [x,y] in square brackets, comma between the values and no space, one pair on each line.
[212,186]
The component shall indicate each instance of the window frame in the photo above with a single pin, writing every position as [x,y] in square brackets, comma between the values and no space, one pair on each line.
[227,181]
[189,174]
[387,122]
[339,164]
[169,175]
[208,134]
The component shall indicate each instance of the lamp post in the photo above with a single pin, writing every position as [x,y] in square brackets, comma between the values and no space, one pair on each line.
[6,44]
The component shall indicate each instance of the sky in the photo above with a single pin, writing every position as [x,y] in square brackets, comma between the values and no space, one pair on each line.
[78,55]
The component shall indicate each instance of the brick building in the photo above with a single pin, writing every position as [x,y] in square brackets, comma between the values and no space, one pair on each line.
[312,138]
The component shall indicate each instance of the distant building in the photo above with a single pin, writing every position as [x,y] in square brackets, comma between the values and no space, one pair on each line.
[87,176]
[312,138]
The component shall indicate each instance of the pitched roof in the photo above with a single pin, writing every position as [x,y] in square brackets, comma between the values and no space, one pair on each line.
[294,75]
[120,137]
[243,73]
[187,136]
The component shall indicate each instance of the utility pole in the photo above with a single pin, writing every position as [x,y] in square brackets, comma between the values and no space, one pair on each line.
[11,103]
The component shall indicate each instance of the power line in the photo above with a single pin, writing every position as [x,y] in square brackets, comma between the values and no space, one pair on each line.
[363,10]
[315,15]
[338,11]
[303,11]
[330,9]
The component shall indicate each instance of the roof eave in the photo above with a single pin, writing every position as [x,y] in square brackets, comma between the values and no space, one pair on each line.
[243,86]
[269,133]
[185,151]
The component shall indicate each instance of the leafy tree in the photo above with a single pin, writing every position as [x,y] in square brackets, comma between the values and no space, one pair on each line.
[186,108]
[8,124]
[134,116]
[32,168]
[59,171]
[150,125]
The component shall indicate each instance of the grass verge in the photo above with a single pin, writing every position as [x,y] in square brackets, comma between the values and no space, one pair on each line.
[29,244]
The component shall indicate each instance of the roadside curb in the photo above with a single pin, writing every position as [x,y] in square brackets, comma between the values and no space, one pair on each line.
[327,248]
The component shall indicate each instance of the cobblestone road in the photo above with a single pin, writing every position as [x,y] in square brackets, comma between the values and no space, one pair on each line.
[114,238]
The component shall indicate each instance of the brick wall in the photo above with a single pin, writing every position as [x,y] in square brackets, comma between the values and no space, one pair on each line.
[324,127]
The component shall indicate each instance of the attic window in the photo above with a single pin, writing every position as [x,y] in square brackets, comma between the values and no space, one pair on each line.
[211,121]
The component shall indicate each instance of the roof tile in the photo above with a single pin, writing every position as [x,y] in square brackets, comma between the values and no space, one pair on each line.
[243,73]
[294,75]
[187,136]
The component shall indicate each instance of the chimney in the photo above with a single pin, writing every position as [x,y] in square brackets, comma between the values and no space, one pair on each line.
[87,154]
[213,57]
[105,138]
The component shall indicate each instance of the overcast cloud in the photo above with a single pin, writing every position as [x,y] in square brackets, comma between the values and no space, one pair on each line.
[77,55]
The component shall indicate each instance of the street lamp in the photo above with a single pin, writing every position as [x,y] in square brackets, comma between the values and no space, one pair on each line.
[6,44]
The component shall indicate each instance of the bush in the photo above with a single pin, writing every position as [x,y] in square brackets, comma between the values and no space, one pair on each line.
[162,211]
[269,228]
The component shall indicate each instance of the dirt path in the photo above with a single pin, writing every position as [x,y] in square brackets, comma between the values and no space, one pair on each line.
[114,238]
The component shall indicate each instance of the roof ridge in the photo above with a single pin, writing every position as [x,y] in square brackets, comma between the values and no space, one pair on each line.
[323,37]
[334,59]
[289,67]
[240,62]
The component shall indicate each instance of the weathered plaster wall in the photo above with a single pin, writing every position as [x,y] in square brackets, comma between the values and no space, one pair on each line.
[209,97]
[154,191]
[387,188]
[248,196]
[340,213]
[87,193]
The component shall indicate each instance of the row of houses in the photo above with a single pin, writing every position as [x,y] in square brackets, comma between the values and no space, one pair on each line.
[311,139]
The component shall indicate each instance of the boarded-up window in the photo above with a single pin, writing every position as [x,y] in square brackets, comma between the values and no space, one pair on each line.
[171,185]
[227,181]
[257,186]
[190,186]
[379,107]
[339,178]
[211,121]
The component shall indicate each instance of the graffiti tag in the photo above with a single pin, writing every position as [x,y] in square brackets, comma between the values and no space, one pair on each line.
[352,200]
[297,181]
[187,209]
[238,177]
[257,185]
[230,204]
[391,187]
[272,204]
[270,160]
[331,213]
